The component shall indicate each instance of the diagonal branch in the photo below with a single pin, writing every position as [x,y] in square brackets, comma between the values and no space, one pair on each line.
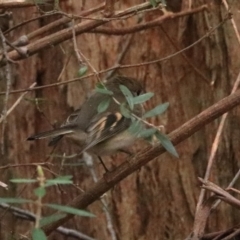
[66,34]
[110,179]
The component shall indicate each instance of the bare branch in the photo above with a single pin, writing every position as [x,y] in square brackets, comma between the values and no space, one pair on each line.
[123,66]
[151,24]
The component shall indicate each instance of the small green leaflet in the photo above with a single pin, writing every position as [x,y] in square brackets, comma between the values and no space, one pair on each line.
[23,180]
[53,218]
[147,132]
[124,111]
[103,90]
[38,234]
[59,180]
[153,2]
[70,210]
[15,200]
[82,71]
[103,106]
[127,93]
[142,98]
[156,111]
[40,192]
[135,127]
[166,143]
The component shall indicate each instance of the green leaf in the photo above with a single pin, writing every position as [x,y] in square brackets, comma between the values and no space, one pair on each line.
[153,3]
[103,90]
[40,192]
[135,127]
[142,98]
[102,106]
[147,132]
[50,219]
[82,71]
[59,180]
[166,143]
[70,210]
[23,180]
[127,93]
[124,111]
[15,200]
[156,111]
[38,234]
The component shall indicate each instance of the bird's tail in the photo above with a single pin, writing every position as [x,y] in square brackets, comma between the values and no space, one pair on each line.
[52,133]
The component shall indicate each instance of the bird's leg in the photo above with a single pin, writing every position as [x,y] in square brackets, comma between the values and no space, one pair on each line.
[101,161]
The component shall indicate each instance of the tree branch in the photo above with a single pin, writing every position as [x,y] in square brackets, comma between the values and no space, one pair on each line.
[110,179]
[146,25]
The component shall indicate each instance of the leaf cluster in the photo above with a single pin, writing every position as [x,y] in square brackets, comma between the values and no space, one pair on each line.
[126,109]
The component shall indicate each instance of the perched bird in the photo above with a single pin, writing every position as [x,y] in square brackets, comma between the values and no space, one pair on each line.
[100,133]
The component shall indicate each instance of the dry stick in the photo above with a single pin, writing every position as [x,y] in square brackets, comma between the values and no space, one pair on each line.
[220,193]
[110,179]
[14,4]
[146,25]
[233,235]
[233,22]
[8,86]
[54,24]
[219,132]
[123,66]
[215,147]
[66,34]
[205,208]
[16,103]
[24,165]
[89,162]
[229,186]
[61,21]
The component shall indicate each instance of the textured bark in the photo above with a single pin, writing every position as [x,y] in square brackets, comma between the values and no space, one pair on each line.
[158,201]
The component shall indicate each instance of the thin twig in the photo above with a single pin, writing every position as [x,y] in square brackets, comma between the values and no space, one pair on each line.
[232,21]
[120,56]
[65,34]
[229,186]
[16,103]
[9,81]
[25,165]
[215,146]
[122,66]
[146,25]
[89,162]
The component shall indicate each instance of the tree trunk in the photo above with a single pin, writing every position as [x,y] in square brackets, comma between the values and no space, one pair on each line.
[159,200]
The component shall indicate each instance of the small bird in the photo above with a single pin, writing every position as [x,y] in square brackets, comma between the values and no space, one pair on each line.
[100,133]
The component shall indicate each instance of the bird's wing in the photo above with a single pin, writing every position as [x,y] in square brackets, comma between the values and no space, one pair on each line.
[104,126]
[70,122]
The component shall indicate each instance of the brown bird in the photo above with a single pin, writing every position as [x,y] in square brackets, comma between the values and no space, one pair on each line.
[100,133]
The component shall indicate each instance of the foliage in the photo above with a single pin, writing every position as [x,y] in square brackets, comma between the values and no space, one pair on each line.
[126,109]
[40,192]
